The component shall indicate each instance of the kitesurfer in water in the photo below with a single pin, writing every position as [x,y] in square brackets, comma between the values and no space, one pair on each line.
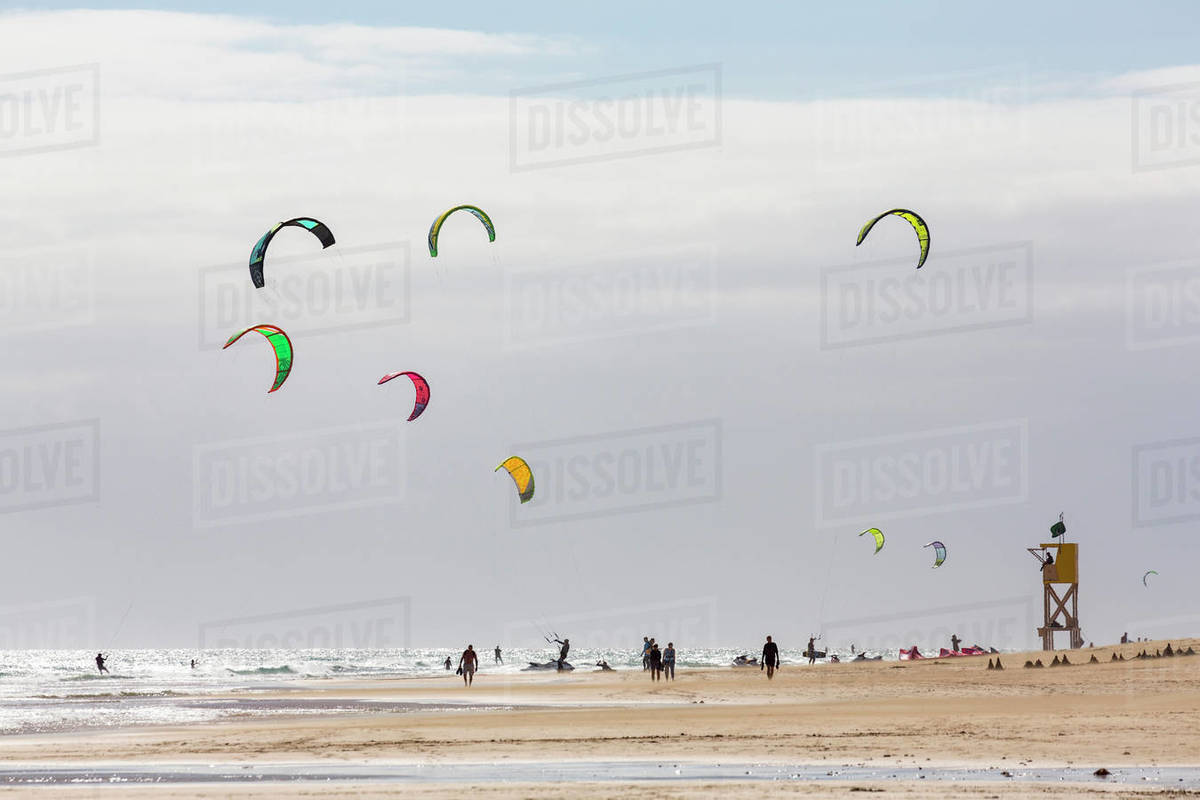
[448,663]
[467,664]
[562,653]
[770,658]
[100,664]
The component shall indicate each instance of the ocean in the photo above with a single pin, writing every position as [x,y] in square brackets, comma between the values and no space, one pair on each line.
[45,691]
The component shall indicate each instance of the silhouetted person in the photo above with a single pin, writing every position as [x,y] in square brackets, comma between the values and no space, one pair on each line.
[645,653]
[499,658]
[468,662]
[193,663]
[955,642]
[655,663]
[812,650]
[100,664]
[562,652]
[448,663]
[770,658]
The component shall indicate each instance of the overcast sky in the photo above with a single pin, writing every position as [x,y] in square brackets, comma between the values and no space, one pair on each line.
[717,389]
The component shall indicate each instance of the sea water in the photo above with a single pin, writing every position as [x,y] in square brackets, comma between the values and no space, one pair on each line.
[56,690]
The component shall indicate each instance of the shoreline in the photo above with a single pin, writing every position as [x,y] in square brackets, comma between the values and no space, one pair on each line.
[946,714]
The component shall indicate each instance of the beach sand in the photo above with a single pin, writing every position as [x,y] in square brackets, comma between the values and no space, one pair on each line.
[935,714]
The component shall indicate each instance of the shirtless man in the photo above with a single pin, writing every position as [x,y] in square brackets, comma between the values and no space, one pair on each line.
[469,662]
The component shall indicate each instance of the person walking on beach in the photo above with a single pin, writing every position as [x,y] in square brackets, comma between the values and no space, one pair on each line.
[467,664]
[655,663]
[812,650]
[645,653]
[499,658]
[770,658]
[562,652]
[668,661]
[100,664]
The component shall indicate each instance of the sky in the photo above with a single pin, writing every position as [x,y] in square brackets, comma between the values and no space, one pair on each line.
[717,389]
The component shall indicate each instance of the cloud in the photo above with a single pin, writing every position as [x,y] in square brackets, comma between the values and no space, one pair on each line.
[208,57]
[212,128]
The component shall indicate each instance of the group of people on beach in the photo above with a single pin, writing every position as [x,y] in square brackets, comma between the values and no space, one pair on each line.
[659,663]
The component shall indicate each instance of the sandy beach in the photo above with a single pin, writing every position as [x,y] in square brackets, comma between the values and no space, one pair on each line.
[950,714]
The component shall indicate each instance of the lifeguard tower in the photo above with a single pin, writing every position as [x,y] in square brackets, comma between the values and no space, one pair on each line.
[1061,610]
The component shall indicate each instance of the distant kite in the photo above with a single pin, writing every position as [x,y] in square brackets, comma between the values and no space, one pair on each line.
[436,227]
[939,551]
[419,383]
[878,534]
[259,253]
[522,476]
[914,219]
[282,346]
[1147,575]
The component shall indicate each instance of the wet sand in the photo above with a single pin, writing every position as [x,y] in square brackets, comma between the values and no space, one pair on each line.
[944,714]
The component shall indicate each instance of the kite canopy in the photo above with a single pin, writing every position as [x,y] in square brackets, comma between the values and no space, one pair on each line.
[436,227]
[315,227]
[914,219]
[878,534]
[283,350]
[521,474]
[939,551]
[420,384]
[1147,575]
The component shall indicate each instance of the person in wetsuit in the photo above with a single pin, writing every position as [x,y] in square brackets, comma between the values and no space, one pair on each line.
[655,663]
[668,661]
[100,664]
[955,642]
[448,663]
[645,653]
[812,651]
[499,658]
[562,652]
[770,658]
